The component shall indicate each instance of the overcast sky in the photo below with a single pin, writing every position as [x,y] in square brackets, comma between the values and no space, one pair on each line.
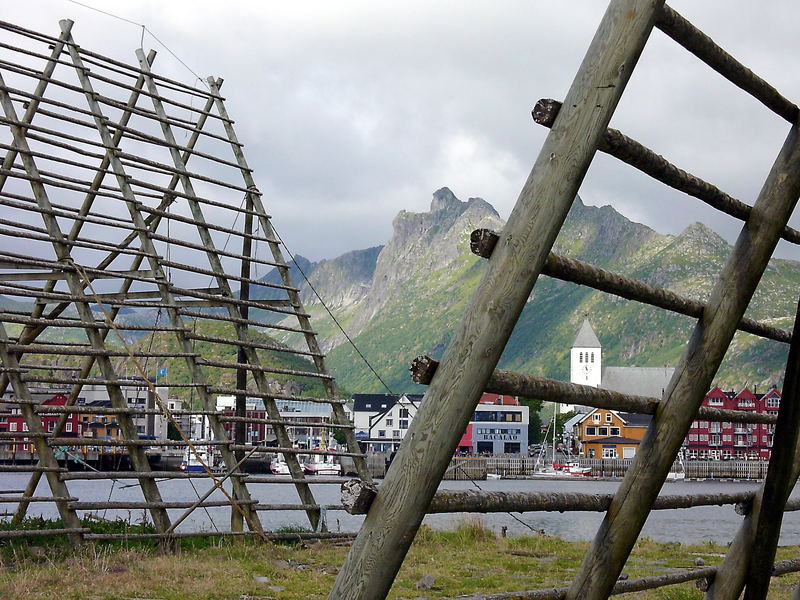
[353,111]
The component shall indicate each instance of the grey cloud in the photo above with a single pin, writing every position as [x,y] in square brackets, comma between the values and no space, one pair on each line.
[352,112]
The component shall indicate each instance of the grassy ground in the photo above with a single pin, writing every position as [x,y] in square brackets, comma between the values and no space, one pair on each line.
[469,559]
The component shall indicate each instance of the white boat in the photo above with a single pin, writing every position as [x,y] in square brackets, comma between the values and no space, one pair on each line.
[322,464]
[278,466]
[678,474]
[493,476]
[193,461]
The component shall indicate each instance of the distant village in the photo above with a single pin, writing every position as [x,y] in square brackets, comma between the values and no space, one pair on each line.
[500,425]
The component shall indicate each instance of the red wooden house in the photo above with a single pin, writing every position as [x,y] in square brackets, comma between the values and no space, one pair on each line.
[709,440]
[14,422]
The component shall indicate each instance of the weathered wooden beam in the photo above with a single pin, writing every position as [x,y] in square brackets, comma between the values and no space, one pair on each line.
[781,477]
[701,576]
[357,498]
[745,565]
[621,587]
[656,166]
[693,377]
[478,342]
[518,384]
[704,48]
[582,273]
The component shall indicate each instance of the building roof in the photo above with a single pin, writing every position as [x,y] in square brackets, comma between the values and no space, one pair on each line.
[614,439]
[586,337]
[380,402]
[635,419]
[641,381]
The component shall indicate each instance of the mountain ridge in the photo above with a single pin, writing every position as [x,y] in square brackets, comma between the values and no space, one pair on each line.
[424,276]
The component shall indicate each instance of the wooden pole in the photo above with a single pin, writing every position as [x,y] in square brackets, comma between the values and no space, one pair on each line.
[510,383]
[656,166]
[357,497]
[476,346]
[781,477]
[758,534]
[693,376]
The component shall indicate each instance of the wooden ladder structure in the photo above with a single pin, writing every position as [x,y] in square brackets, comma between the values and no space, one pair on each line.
[105,243]
[519,254]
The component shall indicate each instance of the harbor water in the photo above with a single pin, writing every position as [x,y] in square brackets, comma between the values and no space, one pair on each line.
[693,525]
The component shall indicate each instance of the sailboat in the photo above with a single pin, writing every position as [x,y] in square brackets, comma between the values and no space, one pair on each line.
[545,470]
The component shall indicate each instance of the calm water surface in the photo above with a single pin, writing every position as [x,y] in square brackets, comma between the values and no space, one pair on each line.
[713,523]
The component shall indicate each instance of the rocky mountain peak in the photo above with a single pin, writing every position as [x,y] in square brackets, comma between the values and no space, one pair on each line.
[703,234]
[443,199]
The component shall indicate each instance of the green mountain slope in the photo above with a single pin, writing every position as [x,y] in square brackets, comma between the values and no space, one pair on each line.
[425,275]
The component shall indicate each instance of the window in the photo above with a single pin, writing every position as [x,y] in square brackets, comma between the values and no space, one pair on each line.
[51,425]
[609,453]
[12,427]
[580,357]
[592,356]
[715,401]
[602,431]
[773,402]
[596,417]
[591,431]
[614,430]
[608,417]
[395,433]
[381,433]
[403,413]
[389,422]
[68,427]
[403,423]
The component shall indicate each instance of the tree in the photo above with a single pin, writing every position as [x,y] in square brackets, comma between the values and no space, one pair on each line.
[535,419]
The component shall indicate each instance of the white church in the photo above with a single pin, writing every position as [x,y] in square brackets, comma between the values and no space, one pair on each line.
[586,368]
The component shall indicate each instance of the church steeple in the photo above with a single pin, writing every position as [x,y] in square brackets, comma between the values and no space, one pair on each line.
[586,357]
[586,337]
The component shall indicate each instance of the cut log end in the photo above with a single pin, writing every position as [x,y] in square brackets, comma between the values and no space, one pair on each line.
[422,369]
[357,496]
[703,584]
[482,242]
[546,111]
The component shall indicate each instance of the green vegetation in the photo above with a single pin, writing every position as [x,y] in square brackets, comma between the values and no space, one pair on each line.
[178,369]
[466,560]
[430,295]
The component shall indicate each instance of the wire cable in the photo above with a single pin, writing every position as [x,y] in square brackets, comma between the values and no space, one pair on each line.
[145,28]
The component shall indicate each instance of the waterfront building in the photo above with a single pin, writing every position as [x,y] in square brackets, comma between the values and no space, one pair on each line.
[725,441]
[306,435]
[499,424]
[610,434]
[12,421]
[604,433]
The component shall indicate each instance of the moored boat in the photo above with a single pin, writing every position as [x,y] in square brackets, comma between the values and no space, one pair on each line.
[322,464]
[193,461]
[278,466]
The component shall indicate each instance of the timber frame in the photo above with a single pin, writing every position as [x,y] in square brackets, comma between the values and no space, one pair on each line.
[106,215]
[516,257]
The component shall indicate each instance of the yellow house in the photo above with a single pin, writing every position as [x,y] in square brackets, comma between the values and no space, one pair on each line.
[604,433]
